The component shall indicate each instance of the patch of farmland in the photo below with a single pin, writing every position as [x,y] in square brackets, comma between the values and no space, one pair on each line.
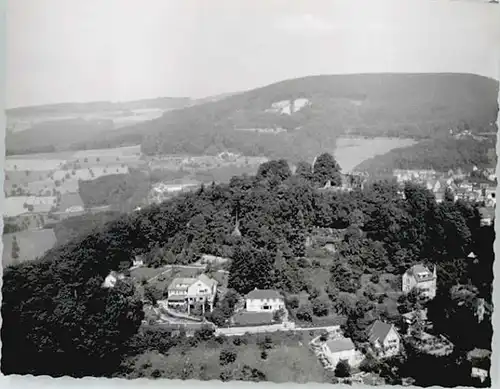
[116,152]
[32,244]
[41,188]
[14,206]
[21,177]
[57,155]
[90,173]
[33,164]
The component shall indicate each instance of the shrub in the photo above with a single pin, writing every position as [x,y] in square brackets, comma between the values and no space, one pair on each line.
[375,278]
[227,356]
[304,313]
[292,302]
[343,369]
[320,307]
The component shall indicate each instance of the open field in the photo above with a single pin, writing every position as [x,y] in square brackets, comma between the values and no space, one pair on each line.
[14,206]
[288,360]
[350,152]
[32,244]
[32,164]
[36,174]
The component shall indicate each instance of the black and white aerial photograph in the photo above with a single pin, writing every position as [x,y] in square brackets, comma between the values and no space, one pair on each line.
[269,191]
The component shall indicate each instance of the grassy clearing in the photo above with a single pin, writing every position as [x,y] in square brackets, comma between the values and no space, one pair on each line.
[288,360]
[32,244]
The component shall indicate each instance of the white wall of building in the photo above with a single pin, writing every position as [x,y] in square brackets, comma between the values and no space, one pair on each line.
[264,305]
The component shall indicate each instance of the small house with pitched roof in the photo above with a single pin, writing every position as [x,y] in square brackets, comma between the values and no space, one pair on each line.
[340,349]
[419,276]
[264,300]
[384,339]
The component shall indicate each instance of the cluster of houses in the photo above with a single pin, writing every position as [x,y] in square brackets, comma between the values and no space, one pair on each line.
[260,307]
[456,182]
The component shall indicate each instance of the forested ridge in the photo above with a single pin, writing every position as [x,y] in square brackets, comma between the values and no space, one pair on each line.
[440,154]
[58,320]
[419,106]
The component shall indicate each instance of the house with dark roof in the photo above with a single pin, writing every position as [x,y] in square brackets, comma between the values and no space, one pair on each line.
[341,349]
[264,300]
[384,339]
[418,276]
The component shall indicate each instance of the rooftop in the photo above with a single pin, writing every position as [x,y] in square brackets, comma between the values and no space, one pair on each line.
[176,282]
[341,344]
[260,294]
[420,272]
[379,331]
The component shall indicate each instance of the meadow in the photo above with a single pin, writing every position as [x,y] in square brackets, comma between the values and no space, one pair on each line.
[39,174]
[287,358]
[32,244]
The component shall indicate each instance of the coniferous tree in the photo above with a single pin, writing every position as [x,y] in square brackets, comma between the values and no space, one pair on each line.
[15,248]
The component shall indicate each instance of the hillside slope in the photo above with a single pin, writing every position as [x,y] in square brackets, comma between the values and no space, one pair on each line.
[438,154]
[308,114]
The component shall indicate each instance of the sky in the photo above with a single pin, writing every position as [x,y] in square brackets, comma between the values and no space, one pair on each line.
[94,50]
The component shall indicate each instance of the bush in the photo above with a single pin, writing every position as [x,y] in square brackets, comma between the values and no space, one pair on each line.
[227,356]
[304,313]
[375,278]
[292,302]
[320,307]
[343,369]
[370,365]
[238,341]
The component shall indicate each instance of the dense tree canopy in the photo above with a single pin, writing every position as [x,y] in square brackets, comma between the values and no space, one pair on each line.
[55,308]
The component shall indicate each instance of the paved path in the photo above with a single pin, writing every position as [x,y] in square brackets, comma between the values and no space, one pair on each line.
[238,331]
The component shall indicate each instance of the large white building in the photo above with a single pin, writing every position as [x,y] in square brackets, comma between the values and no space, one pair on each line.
[188,291]
[264,300]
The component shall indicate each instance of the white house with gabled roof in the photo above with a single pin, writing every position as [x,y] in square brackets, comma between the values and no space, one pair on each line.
[384,338]
[419,276]
[264,300]
[188,291]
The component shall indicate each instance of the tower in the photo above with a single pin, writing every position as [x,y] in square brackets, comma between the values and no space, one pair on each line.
[236,232]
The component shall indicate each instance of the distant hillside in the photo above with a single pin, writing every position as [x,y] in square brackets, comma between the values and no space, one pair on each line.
[99,106]
[299,118]
[438,154]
